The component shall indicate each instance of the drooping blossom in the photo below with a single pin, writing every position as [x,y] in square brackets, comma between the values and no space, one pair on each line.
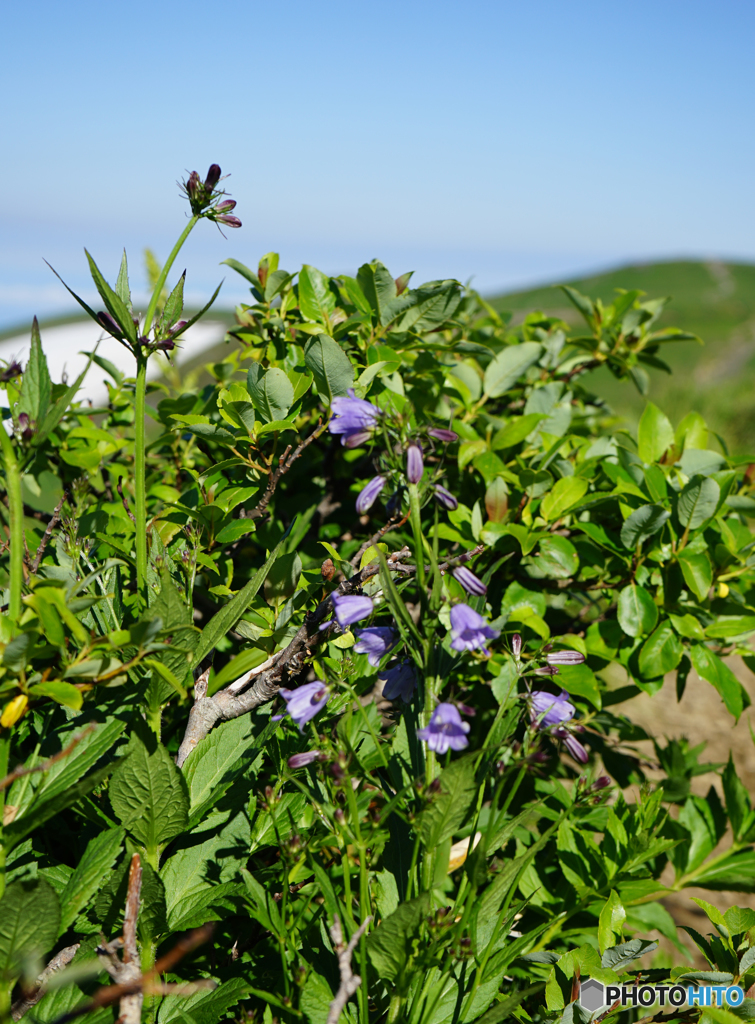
[469,630]
[446,731]
[572,744]
[349,608]
[549,709]
[305,701]
[447,436]
[415,465]
[446,499]
[469,581]
[354,418]
[303,759]
[369,494]
[398,681]
[564,658]
[516,645]
[374,641]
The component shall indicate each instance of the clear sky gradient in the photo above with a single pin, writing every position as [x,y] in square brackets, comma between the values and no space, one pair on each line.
[514,141]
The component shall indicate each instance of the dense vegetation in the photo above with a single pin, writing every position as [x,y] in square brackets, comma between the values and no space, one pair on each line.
[305,685]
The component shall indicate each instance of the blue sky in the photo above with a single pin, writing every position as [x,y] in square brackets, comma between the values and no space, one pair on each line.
[514,141]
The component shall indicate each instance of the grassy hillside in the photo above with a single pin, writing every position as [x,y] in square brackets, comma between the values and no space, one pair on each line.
[714,300]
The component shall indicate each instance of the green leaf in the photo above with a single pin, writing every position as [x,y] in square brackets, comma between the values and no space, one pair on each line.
[99,857]
[654,434]
[63,693]
[55,414]
[122,289]
[711,668]
[637,612]
[555,559]
[611,921]
[449,808]
[516,430]
[661,652]
[116,307]
[581,681]
[739,919]
[224,620]
[235,530]
[698,501]
[566,492]
[316,299]
[697,573]
[173,307]
[315,1000]
[620,956]
[426,308]
[329,365]
[197,316]
[643,523]
[85,755]
[271,392]
[36,386]
[731,625]
[508,366]
[148,793]
[390,946]
[378,287]
[29,921]
[165,673]
[734,873]
[204,1007]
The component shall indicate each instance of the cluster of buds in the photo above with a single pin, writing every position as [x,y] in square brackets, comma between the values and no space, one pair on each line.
[203,197]
[12,370]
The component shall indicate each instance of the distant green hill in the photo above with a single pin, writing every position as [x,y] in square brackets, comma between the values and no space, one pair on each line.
[714,300]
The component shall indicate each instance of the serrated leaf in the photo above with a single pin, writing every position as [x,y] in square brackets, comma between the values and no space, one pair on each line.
[451,805]
[29,921]
[116,307]
[173,306]
[148,794]
[122,289]
[390,944]
[99,857]
[36,386]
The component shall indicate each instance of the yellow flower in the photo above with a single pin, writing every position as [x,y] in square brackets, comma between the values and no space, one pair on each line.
[13,711]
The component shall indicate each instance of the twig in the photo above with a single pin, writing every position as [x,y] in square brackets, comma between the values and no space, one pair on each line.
[392,524]
[18,772]
[46,536]
[31,998]
[350,982]
[285,463]
[110,994]
[228,703]
[127,971]
[119,488]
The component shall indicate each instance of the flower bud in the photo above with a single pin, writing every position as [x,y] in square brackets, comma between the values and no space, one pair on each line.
[226,206]
[564,658]
[547,670]
[415,465]
[369,494]
[446,499]
[602,782]
[109,324]
[213,177]
[516,645]
[13,369]
[229,221]
[339,816]
[305,758]
[446,436]
[469,581]
[192,185]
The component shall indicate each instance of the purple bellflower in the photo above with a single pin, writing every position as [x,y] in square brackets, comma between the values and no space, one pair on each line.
[349,608]
[415,465]
[446,499]
[446,730]
[447,436]
[353,418]
[469,631]
[369,494]
[374,641]
[572,744]
[304,702]
[303,759]
[564,658]
[398,681]
[549,709]
[469,581]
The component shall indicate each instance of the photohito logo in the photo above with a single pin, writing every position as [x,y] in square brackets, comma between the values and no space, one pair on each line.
[594,995]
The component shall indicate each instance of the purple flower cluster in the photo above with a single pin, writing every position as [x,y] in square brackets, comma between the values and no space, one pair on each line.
[553,712]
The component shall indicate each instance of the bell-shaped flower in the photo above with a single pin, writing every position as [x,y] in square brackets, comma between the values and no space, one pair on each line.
[353,418]
[469,581]
[469,630]
[445,731]
[305,701]
[375,641]
[349,608]
[549,709]
[398,681]
[369,494]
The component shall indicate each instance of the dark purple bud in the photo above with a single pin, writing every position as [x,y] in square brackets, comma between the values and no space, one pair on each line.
[446,499]
[469,581]
[602,782]
[546,670]
[573,745]
[178,327]
[466,710]
[109,324]
[415,465]
[305,758]
[192,184]
[231,222]
[339,815]
[226,206]
[564,658]
[12,370]
[516,645]
[446,436]
[26,426]
[213,177]
[166,345]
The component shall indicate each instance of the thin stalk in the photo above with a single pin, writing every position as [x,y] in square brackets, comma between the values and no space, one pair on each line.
[140,474]
[16,525]
[164,274]
[419,546]
[4,758]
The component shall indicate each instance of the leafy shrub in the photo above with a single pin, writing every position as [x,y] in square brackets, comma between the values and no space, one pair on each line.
[316,654]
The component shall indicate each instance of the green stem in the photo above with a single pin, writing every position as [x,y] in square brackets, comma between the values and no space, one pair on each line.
[164,275]
[419,546]
[140,474]
[16,510]
[4,758]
